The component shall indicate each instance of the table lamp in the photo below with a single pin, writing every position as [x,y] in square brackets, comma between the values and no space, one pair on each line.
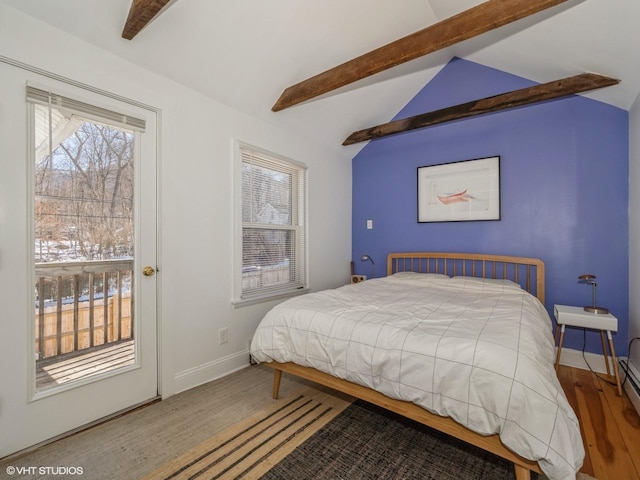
[591,280]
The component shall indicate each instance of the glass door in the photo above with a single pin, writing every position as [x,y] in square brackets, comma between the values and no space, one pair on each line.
[84,246]
[89,208]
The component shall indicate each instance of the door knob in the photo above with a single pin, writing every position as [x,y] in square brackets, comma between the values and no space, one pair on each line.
[148,271]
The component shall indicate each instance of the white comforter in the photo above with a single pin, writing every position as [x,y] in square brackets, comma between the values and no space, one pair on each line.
[478,351]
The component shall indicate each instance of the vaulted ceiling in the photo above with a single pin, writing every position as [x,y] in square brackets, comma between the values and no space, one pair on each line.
[245,53]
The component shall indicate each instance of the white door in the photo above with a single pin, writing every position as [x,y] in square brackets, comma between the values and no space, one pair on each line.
[78,326]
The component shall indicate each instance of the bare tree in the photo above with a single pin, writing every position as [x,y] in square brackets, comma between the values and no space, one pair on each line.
[85,194]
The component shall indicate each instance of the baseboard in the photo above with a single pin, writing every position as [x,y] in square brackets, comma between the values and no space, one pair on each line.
[632,384]
[211,371]
[574,358]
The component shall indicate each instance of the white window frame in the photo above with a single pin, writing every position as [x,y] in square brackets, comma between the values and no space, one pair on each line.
[299,225]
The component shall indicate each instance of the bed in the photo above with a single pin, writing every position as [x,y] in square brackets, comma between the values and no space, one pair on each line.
[459,342]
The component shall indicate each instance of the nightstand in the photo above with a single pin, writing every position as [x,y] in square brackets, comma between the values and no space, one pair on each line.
[577,317]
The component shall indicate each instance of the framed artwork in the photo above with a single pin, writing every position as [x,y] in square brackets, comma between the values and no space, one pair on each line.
[461,191]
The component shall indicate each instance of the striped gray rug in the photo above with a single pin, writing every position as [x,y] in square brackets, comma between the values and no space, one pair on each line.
[367,442]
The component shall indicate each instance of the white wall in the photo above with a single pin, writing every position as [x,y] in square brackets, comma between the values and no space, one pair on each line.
[196,209]
[634,231]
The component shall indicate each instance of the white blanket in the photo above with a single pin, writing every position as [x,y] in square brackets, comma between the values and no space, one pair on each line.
[478,351]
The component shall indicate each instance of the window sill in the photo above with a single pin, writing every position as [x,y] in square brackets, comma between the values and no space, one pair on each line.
[245,302]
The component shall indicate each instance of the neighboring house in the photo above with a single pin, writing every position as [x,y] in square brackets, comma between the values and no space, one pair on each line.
[270,214]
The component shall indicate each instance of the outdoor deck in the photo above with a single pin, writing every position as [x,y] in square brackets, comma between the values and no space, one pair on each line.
[54,371]
[84,322]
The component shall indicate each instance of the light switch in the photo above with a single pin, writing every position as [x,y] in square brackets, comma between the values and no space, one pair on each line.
[369,224]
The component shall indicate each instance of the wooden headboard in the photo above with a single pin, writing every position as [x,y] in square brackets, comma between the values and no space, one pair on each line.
[527,272]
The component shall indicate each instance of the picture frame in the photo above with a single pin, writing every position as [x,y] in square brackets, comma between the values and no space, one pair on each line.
[468,190]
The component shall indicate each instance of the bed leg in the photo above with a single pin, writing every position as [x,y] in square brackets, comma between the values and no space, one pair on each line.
[277,375]
[522,473]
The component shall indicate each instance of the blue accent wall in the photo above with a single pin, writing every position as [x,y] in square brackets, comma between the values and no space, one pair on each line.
[564,189]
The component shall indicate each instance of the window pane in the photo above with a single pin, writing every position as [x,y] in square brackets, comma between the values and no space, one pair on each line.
[266,195]
[267,257]
[83,189]
[84,246]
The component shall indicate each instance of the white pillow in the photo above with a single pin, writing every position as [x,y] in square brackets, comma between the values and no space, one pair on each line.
[497,282]
[414,275]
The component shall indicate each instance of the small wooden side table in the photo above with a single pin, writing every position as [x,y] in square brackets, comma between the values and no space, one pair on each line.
[577,317]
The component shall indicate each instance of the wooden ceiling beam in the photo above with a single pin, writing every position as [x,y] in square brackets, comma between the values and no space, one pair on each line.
[487,16]
[516,98]
[140,14]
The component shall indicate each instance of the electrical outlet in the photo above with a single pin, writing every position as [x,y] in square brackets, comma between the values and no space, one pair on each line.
[223,335]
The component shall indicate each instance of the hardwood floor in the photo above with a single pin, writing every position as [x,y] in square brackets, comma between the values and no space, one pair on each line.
[130,446]
[610,425]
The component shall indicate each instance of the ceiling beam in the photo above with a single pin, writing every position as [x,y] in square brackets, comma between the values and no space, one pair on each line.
[140,15]
[504,101]
[487,16]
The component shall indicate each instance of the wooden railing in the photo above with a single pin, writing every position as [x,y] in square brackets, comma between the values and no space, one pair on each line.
[80,305]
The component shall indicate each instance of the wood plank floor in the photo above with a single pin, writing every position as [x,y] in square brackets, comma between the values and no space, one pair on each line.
[610,425]
[54,371]
[130,446]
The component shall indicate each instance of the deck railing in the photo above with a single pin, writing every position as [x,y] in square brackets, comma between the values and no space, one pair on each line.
[80,305]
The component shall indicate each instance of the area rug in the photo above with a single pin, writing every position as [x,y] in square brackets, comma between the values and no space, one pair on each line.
[366,442]
[314,435]
[251,447]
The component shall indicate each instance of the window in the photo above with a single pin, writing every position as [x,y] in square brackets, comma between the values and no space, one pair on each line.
[272,243]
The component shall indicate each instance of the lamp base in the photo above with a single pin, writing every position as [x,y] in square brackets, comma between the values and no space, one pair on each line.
[598,310]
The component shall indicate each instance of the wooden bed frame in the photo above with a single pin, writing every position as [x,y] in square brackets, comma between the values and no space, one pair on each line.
[528,272]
